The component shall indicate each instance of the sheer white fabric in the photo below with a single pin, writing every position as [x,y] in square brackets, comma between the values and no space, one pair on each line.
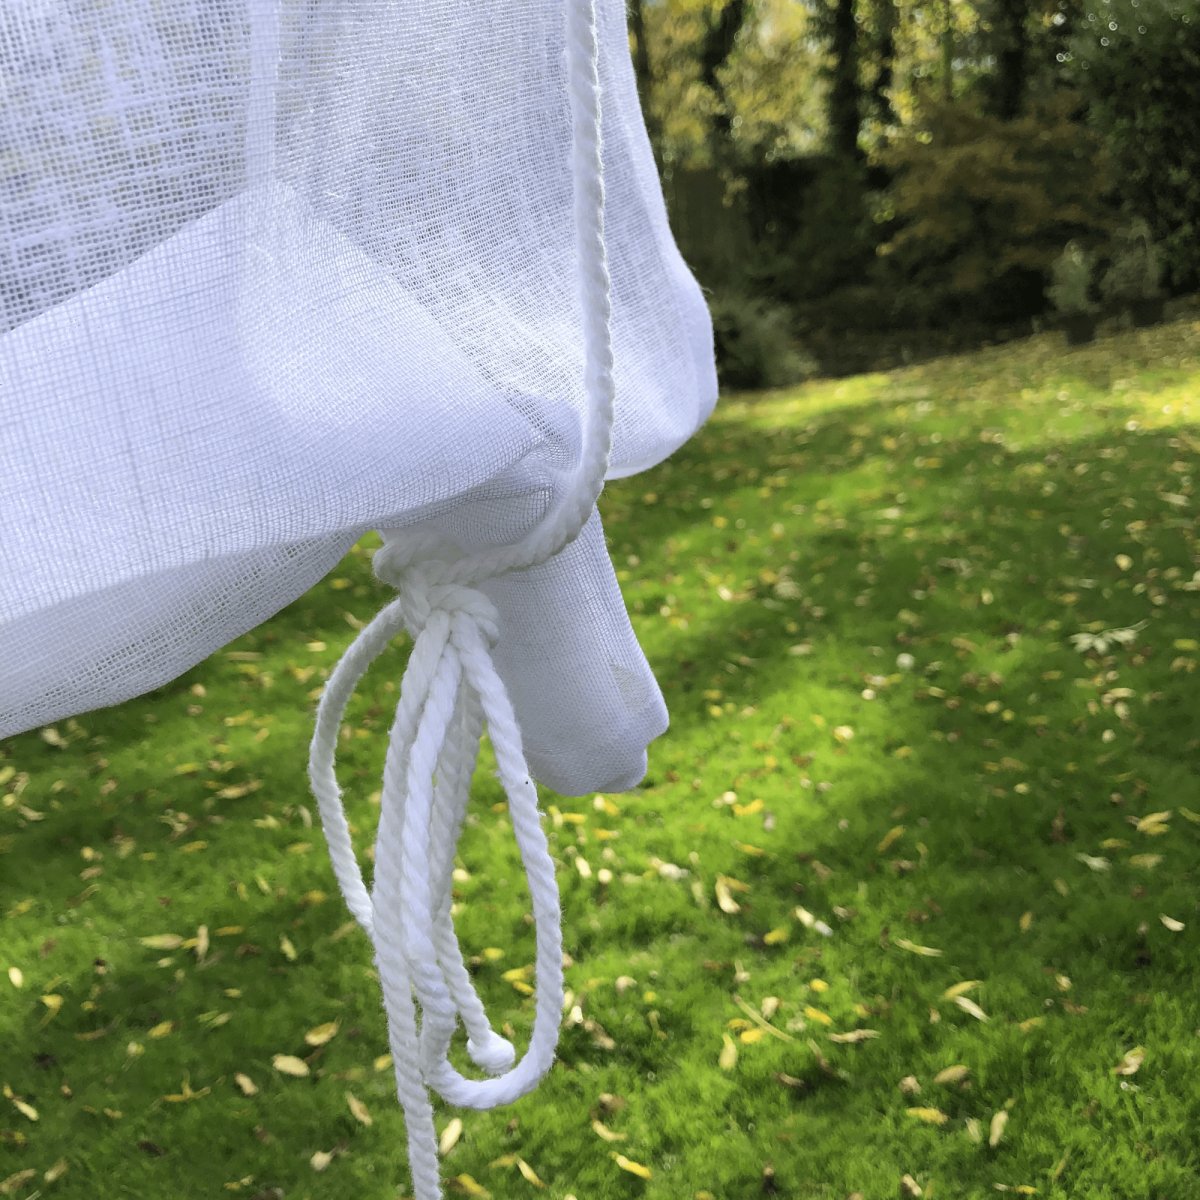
[275,274]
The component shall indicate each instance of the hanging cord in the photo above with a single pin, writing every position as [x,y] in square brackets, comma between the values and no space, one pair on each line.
[450,692]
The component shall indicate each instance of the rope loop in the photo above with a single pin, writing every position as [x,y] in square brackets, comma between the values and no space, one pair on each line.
[449,694]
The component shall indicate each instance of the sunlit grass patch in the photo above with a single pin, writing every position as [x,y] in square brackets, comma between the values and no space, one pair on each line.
[910,890]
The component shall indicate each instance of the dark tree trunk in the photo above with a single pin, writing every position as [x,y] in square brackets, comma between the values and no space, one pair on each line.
[718,44]
[1010,31]
[885,58]
[845,93]
[643,71]
[948,52]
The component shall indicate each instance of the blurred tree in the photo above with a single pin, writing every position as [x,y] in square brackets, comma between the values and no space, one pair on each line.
[643,70]
[845,85]
[1138,62]
[810,150]
[982,206]
[723,26]
[885,18]
[1007,23]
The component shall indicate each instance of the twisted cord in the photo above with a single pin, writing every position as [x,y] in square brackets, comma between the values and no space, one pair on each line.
[449,692]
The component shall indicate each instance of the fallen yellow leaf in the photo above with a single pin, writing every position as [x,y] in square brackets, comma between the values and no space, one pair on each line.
[321,1034]
[762,1022]
[529,1174]
[56,1172]
[970,1008]
[246,1085]
[634,1168]
[469,1186]
[996,1129]
[729,1053]
[960,989]
[9,1186]
[186,1093]
[913,948]
[289,1064]
[358,1110]
[162,941]
[1132,1061]
[725,901]
[450,1136]
[1154,824]
[320,1160]
[954,1074]
[931,1116]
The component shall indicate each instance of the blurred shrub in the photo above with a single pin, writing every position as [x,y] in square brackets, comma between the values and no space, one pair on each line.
[1071,276]
[822,237]
[1135,268]
[1138,62]
[754,343]
[982,207]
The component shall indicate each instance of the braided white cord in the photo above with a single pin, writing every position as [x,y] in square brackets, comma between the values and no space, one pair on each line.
[450,689]
[563,525]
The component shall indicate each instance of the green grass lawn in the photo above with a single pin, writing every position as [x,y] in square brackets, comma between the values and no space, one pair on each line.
[911,888]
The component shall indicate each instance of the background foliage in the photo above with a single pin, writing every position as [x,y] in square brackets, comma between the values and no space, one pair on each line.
[877,165]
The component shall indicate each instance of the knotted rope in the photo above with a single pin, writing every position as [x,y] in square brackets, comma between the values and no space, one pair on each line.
[449,692]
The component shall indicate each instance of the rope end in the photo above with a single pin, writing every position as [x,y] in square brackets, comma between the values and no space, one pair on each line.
[495,1056]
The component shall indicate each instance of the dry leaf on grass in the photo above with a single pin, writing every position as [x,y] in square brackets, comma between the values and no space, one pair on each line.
[996,1129]
[162,941]
[931,1116]
[1131,1061]
[634,1168]
[321,1034]
[970,1008]
[467,1185]
[728,1057]
[913,948]
[450,1135]
[954,1074]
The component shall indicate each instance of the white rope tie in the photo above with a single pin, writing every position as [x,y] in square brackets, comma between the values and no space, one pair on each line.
[449,692]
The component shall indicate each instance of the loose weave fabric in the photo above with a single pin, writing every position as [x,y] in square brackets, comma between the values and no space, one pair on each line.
[276,274]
